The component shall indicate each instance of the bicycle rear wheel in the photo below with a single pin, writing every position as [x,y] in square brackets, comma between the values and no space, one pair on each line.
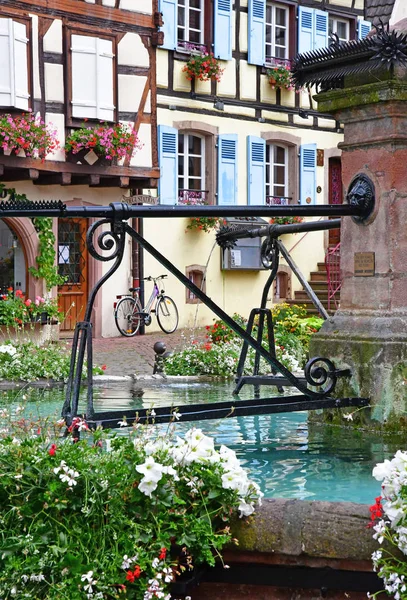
[167,314]
[128,316]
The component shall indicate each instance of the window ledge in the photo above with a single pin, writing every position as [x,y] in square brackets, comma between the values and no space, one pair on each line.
[51,172]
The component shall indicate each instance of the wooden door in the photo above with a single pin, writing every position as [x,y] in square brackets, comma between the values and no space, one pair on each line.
[73,265]
[335,194]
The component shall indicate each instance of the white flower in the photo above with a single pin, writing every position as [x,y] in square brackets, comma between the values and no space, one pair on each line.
[87,576]
[245,509]
[66,478]
[123,423]
[153,413]
[147,486]
[382,470]
[176,415]
[150,469]
[348,416]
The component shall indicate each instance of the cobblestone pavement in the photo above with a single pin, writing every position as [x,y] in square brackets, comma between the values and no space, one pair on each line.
[127,356]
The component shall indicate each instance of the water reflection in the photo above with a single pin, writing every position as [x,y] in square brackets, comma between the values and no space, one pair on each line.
[286,456]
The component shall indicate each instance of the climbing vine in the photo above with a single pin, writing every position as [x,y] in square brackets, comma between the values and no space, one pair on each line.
[46,251]
[46,254]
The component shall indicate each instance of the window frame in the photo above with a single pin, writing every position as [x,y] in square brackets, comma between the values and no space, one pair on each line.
[273,58]
[77,122]
[13,110]
[270,166]
[190,297]
[292,144]
[339,19]
[186,155]
[207,31]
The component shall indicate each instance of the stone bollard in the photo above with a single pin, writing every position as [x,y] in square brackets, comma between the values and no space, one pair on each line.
[160,356]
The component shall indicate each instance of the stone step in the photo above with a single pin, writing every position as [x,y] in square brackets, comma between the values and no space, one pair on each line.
[302,295]
[318,276]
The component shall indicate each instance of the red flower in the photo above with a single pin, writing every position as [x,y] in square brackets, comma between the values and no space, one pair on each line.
[10,289]
[19,293]
[130,577]
[103,367]
[163,554]
[137,572]
[52,450]
[376,511]
[28,302]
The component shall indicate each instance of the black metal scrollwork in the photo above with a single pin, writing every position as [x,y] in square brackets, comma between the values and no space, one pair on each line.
[318,371]
[111,241]
[268,253]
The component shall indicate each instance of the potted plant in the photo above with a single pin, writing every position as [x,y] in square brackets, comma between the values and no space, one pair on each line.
[16,310]
[285,220]
[45,310]
[280,78]
[203,223]
[108,143]
[27,133]
[203,67]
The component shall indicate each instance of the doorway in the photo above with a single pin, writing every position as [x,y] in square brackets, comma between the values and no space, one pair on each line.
[335,194]
[73,266]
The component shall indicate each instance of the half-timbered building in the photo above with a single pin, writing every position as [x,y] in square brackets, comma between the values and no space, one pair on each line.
[76,63]
[244,140]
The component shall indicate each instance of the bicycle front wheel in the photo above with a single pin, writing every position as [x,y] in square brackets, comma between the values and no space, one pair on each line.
[167,314]
[128,316]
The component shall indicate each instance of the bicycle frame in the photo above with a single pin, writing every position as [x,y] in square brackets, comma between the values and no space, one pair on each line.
[154,294]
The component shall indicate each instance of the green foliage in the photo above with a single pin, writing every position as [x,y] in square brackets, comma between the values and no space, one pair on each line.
[108,141]
[280,77]
[285,220]
[46,255]
[16,310]
[27,132]
[205,224]
[220,355]
[111,517]
[28,362]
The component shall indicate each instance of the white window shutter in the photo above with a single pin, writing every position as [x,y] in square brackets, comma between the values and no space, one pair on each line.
[256,170]
[20,41]
[227,168]
[105,56]
[168,161]
[308,173]
[257,32]
[169,10]
[363,28]
[305,29]
[6,63]
[223,29]
[84,76]
[321,29]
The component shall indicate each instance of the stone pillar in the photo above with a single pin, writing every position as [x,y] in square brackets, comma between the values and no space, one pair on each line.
[368,333]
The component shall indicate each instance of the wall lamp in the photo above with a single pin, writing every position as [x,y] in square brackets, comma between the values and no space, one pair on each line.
[218,104]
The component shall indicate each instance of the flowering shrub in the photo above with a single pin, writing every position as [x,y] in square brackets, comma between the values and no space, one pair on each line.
[204,223]
[203,67]
[15,309]
[112,517]
[28,362]
[108,141]
[285,220]
[280,77]
[27,132]
[389,522]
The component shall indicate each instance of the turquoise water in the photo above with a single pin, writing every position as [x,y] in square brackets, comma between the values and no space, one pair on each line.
[283,455]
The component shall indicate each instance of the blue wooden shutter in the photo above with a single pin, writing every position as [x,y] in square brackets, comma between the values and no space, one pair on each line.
[257,32]
[363,28]
[168,8]
[305,29]
[223,29]
[321,29]
[308,163]
[227,168]
[256,170]
[168,161]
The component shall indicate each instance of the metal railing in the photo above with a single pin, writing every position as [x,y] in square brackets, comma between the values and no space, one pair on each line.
[333,275]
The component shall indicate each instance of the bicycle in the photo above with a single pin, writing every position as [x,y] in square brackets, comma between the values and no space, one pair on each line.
[129,314]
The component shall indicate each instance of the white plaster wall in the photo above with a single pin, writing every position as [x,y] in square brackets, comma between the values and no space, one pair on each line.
[162,68]
[143,157]
[35,57]
[131,51]
[399,12]
[57,121]
[54,82]
[227,85]
[247,81]
[130,91]
[53,37]
[141,6]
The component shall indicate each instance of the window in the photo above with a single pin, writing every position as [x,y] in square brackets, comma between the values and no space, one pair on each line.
[276,32]
[276,174]
[190,22]
[340,27]
[282,285]
[191,169]
[14,88]
[93,88]
[198,25]
[196,274]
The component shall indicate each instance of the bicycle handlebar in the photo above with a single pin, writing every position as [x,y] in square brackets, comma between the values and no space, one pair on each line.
[150,278]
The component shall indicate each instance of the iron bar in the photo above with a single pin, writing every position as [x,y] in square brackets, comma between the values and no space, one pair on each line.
[230,234]
[222,410]
[312,295]
[121,211]
[223,315]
